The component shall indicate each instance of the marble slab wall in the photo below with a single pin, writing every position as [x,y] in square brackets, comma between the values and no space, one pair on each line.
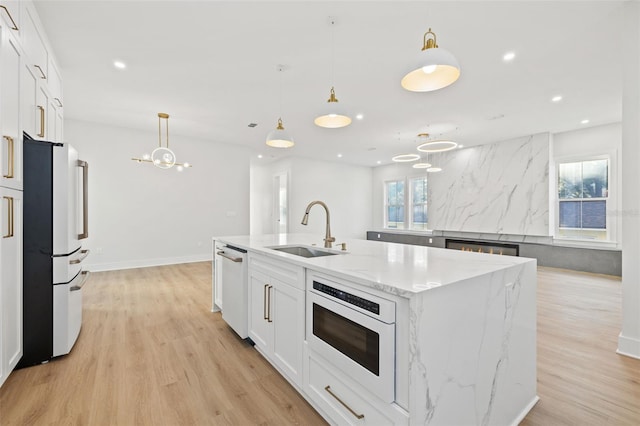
[501,188]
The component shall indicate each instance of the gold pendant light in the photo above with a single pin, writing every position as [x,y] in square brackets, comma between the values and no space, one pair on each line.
[333,116]
[162,157]
[433,69]
[279,138]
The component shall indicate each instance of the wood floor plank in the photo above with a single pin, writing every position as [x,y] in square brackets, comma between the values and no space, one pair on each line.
[152,353]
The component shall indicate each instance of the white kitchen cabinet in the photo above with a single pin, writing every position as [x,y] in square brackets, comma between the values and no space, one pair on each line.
[10,15]
[276,313]
[10,280]
[11,143]
[33,41]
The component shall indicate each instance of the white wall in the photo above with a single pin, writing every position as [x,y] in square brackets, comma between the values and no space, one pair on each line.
[346,190]
[500,188]
[140,215]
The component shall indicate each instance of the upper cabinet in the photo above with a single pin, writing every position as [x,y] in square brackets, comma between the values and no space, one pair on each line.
[33,41]
[10,15]
[10,129]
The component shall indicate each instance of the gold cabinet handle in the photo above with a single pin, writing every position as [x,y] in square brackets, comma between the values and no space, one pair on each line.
[9,217]
[83,255]
[357,416]
[58,101]
[15,27]
[269,304]
[42,74]
[41,133]
[9,174]
[264,299]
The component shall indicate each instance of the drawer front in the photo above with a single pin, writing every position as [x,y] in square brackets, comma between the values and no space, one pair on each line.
[345,403]
[281,270]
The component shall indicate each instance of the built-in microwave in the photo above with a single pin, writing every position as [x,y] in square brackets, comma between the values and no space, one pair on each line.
[355,332]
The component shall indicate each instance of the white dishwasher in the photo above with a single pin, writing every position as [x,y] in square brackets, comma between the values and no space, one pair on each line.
[235,311]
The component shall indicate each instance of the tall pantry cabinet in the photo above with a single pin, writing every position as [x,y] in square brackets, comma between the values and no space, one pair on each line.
[31,102]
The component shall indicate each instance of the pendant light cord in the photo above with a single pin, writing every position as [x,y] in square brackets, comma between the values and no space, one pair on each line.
[333,51]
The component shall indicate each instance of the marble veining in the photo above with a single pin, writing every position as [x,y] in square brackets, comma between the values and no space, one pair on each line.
[501,188]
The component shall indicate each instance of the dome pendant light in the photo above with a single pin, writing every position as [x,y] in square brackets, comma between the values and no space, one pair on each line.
[279,138]
[333,117]
[434,68]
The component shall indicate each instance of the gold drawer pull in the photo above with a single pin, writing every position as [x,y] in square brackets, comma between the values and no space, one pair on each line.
[41,133]
[357,416]
[42,74]
[269,304]
[15,27]
[9,174]
[9,217]
[264,299]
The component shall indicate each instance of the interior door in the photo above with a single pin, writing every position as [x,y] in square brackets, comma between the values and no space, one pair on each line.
[280,203]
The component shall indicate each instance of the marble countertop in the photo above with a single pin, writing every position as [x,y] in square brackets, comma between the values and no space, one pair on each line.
[400,269]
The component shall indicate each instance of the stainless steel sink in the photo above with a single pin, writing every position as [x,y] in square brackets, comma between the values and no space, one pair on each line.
[304,251]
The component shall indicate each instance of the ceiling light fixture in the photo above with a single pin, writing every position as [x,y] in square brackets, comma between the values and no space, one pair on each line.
[434,170]
[557,98]
[421,166]
[333,116]
[434,69]
[359,116]
[585,121]
[279,138]
[162,157]
[119,64]
[508,57]
[405,158]
[436,145]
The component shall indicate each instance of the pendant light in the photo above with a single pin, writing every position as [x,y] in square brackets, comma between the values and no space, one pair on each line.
[279,138]
[433,69]
[440,145]
[333,115]
[162,157]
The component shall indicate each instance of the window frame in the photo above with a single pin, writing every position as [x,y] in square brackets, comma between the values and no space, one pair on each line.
[610,200]
[407,221]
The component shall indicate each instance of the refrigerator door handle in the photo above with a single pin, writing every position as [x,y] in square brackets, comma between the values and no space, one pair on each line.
[85,277]
[83,255]
[85,202]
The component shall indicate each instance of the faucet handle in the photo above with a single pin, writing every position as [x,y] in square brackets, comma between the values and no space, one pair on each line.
[330,239]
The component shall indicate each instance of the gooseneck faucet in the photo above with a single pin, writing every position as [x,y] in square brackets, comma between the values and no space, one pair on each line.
[328,239]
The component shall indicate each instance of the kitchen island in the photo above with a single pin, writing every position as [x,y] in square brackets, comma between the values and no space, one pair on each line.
[458,345]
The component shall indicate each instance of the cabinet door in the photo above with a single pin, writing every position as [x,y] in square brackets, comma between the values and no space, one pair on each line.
[11,144]
[287,306]
[259,298]
[29,114]
[10,280]
[10,16]
[33,41]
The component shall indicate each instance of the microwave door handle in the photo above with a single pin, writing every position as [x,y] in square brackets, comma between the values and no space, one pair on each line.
[85,202]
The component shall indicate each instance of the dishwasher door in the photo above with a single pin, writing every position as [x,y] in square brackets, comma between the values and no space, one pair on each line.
[235,310]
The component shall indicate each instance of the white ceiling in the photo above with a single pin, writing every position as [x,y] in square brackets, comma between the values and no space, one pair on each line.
[212,66]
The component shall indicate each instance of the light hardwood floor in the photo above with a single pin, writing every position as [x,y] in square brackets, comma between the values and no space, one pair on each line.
[151,352]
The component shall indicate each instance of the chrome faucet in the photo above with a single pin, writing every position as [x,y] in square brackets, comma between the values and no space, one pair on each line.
[328,239]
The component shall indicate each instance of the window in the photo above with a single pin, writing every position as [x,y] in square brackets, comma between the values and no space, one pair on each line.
[396,198]
[419,203]
[394,204]
[583,191]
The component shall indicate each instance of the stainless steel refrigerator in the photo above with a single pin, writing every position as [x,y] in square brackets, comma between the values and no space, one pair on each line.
[55,223]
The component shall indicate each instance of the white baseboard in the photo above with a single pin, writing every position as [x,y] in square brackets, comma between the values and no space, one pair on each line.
[145,263]
[628,346]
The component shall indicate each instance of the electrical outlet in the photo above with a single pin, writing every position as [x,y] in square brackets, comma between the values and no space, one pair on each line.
[430,240]
[98,250]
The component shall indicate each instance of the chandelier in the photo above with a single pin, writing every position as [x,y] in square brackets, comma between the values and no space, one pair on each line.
[162,157]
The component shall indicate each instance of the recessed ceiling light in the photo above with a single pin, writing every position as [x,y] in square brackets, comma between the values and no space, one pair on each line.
[359,117]
[119,64]
[585,121]
[508,57]
[259,155]
[460,146]
[378,162]
[339,155]
[556,98]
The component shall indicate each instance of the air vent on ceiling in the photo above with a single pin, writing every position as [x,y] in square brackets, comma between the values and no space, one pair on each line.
[253,124]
